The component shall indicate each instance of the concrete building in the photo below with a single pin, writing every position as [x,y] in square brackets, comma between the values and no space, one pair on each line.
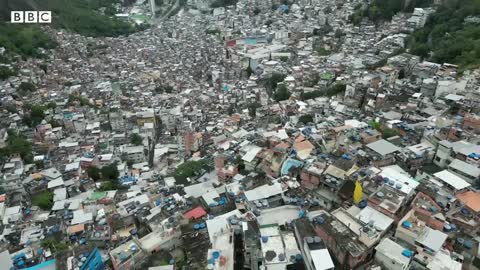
[392,256]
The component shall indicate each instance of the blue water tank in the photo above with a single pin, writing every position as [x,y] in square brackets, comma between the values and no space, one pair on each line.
[468,244]
[407,224]
[407,253]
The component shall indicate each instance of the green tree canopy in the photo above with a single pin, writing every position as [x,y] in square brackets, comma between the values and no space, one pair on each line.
[159,89]
[449,37]
[305,119]
[271,83]
[43,200]
[136,139]
[282,93]
[110,172]
[94,173]
[189,169]
[27,87]
[36,115]
[336,89]
[252,109]
[6,72]
[17,144]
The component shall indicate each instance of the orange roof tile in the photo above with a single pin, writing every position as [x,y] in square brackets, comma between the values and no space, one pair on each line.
[76,228]
[36,175]
[470,199]
[300,138]
[283,145]
[303,145]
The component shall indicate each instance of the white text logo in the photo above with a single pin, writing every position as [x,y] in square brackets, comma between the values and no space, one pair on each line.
[30,16]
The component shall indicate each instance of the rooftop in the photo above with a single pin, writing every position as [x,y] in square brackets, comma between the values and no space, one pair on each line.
[383,147]
[451,179]
[393,251]
[471,199]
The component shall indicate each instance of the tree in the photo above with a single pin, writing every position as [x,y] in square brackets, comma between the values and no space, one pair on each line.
[189,169]
[108,185]
[52,105]
[312,94]
[130,163]
[252,109]
[36,116]
[43,200]
[312,80]
[6,72]
[376,125]
[282,93]
[336,89]
[388,133]
[305,119]
[223,3]
[164,89]
[323,52]
[338,33]
[26,87]
[136,139]
[110,172]
[249,69]
[271,83]
[54,245]
[94,173]
[17,144]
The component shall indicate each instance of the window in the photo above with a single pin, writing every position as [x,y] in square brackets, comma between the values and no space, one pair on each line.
[438,159]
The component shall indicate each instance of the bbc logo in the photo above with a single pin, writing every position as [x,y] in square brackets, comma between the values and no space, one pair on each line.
[30,16]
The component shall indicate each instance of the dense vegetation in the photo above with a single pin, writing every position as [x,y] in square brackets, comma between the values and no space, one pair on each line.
[281,93]
[136,139]
[109,174]
[189,169]
[448,37]
[385,131]
[451,34]
[6,71]
[271,82]
[24,39]
[164,89]
[94,173]
[43,200]
[36,113]
[305,119]
[17,144]
[90,18]
[82,17]
[383,10]
[223,3]
[333,90]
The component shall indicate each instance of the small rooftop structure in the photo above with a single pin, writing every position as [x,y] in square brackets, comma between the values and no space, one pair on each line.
[394,251]
[378,219]
[470,199]
[383,147]
[263,192]
[195,213]
[452,180]
[321,259]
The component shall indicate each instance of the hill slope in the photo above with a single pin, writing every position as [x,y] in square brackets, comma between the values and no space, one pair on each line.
[87,17]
